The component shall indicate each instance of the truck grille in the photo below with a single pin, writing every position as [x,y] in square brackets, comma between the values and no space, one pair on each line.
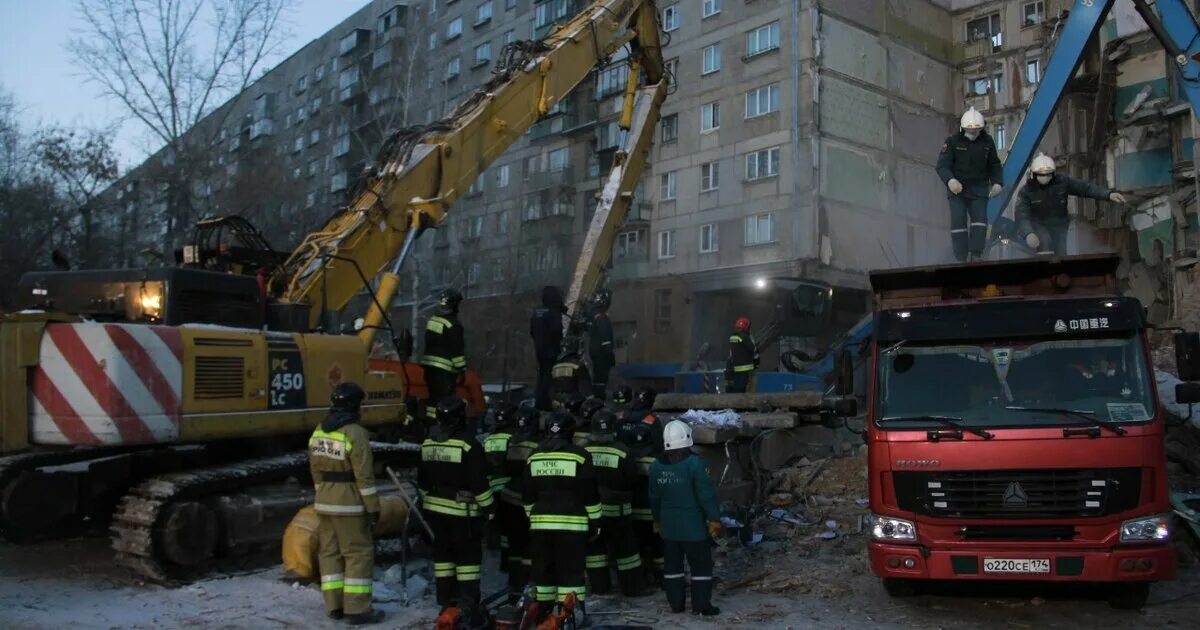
[1046,493]
[219,378]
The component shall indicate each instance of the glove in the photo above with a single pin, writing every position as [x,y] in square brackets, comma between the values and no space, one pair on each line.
[955,186]
[714,528]
[996,189]
[1032,240]
[1116,197]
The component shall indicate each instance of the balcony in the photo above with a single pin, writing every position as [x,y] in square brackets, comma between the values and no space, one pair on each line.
[547,127]
[353,40]
[976,50]
[580,117]
[550,13]
[547,180]
[350,93]
[263,127]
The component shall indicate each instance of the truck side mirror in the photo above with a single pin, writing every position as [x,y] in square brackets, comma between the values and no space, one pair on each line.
[844,373]
[1187,393]
[845,407]
[1187,355]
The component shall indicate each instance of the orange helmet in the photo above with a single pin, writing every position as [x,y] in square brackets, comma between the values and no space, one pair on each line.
[742,324]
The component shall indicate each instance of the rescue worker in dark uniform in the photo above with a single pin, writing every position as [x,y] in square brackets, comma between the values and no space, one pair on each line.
[453,479]
[641,411]
[638,439]
[971,170]
[339,457]
[743,357]
[495,449]
[600,343]
[583,417]
[621,398]
[569,378]
[617,476]
[514,523]
[546,329]
[1042,217]
[445,351]
[563,505]
[684,502]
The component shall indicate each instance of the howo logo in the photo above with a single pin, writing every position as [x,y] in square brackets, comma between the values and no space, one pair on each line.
[918,463]
[1014,496]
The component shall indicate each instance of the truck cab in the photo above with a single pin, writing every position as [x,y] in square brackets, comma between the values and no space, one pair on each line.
[1014,429]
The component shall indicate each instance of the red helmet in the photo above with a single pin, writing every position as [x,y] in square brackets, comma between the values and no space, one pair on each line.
[742,324]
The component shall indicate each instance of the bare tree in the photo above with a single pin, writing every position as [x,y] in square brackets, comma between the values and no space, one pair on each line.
[170,64]
[83,164]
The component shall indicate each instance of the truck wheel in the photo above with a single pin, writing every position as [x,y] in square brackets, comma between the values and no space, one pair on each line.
[900,587]
[1129,596]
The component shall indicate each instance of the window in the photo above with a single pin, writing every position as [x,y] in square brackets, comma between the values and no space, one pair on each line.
[760,229]
[312,168]
[627,244]
[296,172]
[762,39]
[314,105]
[498,269]
[548,12]
[454,29]
[453,67]
[348,77]
[377,94]
[302,84]
[319,73]
[612,80]
[670,18]
[1000,135]
[531,166]
[708,238]
[980,86]
[348,43]
[712,59]
[298,145]
[388,20]
[710,176]
[510,4]
[763,100]
[1033,13]
[314,137]
[474,227]
[342,146]
[662,310]
[301,114]
[667,188]
[432,40]
[556,160]
[762,164]
[483,53]
[502,176]
[709,8]
[1033,71]
[310,200]
[510,37]
[670,128]
[337,182]
[473,274]
[710,116]
[986,27]
[381,57]
[483,13]
[671,66]
[666,244]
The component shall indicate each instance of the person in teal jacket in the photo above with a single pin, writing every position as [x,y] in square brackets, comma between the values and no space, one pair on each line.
[684,503]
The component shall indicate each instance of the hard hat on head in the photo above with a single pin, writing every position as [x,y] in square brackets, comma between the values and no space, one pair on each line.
[677,434]
[742,324]
[602,299]
[604,423]
[634,433]
[525,421]
[645,397]
[589,407]
[347,396]
[573,403]
[505,416]
[1043,165]
[971,119]
[449,299]
[451,412]
[622,395]
[561,424]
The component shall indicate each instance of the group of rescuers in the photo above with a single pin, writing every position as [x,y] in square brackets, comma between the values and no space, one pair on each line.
[576,492]
[970,167]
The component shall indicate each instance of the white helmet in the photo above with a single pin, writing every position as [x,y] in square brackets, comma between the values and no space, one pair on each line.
[971,119]
[1043,165]
[677,434]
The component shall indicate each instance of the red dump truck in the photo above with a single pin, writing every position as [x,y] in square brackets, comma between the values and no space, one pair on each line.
[1014,429]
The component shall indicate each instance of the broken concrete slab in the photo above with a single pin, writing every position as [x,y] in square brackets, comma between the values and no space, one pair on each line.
[753,420]
[751,401]
[703,434]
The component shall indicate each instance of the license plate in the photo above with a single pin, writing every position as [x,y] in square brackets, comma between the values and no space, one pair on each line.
[1016,565]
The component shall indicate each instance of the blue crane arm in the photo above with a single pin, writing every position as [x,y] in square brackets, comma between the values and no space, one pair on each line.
[1086,18]
[1177,30]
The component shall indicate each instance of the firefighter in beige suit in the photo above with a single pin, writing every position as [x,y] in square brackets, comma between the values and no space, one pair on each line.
[339,453]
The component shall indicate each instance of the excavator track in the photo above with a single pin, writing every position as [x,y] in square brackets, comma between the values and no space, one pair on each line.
[147,530]
[12,467]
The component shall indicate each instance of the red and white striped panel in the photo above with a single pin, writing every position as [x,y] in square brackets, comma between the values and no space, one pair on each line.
[107,384]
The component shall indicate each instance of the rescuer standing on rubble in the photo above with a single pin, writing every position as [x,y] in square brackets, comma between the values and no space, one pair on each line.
[617,476]
[564,512]
[495,449]
[639,441]
[684,502]
[514,523]
[546,329]
[743,357]
[1042,216]
[453,479]
[445,351]
[970,167]
[339,456]
[641,411]
[600,343]
[619,403]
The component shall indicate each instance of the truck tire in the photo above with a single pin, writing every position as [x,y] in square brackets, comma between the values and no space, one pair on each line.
[1129,596]
[900,587]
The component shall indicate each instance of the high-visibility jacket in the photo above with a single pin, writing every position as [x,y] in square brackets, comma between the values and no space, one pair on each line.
[453,476]
[643,458]
[616,477]
[495,449]
[559,488]
[339,457]
[444,345]
[743,354]
[565,378]
[519,450]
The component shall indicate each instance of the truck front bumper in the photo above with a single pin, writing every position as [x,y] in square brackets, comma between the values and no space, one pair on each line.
[1150,563]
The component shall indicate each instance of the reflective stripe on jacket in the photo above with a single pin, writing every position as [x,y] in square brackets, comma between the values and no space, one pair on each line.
[444,344]
[345,454]
[560,491]
[453,476]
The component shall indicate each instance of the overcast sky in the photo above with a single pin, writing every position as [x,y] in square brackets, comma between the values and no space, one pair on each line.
[37,70]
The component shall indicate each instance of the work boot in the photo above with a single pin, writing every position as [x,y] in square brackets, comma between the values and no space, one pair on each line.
[675,593]
[365,619]
[711,611]
[336,614]
[702,597]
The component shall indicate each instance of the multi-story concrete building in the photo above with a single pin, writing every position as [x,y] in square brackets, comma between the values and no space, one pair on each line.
[798,142]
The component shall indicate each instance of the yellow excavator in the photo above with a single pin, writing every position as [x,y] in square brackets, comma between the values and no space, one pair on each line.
[173,404]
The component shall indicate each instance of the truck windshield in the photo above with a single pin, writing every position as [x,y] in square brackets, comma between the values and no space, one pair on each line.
[1007,383]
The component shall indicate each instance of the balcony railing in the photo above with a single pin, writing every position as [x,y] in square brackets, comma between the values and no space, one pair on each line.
[581,117]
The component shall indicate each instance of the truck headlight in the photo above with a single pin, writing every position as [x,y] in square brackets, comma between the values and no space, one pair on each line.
[888,528]
[1149,529]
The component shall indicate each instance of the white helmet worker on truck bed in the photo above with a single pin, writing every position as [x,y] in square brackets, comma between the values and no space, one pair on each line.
[1042,217]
